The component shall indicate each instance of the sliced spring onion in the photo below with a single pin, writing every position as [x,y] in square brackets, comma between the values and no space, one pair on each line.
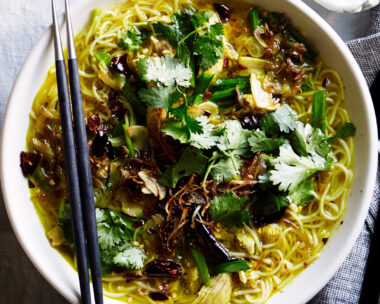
[202,85]
[128,141]
[139,109]
[229,83]
[254,18]
[231,266]
[224,94]
[200,261]
[319,110]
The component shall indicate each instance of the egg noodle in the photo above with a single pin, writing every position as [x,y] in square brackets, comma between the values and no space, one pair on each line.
[276,252]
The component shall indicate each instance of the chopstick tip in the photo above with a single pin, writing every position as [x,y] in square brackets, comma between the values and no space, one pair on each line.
[70,37]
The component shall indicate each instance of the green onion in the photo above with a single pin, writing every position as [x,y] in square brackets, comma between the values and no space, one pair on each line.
[192,65]
[114,175]
[203,83]
[102,56]
[221,95]
[319,110]
[297,36]
[139,109]
[227,83]
[348,129]
[254,18]
[128,141]
[225,103]
[232,266]
[200,261]
[196,99]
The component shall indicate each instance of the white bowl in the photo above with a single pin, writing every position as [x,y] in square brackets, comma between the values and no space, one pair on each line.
[57,271]
[348,6]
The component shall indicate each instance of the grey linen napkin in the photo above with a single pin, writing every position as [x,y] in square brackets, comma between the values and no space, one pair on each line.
[346,285]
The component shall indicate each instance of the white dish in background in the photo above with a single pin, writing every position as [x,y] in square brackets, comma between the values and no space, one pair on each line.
[348,6]
[59,273]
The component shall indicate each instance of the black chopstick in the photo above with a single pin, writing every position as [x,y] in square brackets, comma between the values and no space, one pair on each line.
[71,164]
[84,169]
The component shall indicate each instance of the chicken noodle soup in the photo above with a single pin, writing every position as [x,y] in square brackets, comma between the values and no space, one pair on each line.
[220,147]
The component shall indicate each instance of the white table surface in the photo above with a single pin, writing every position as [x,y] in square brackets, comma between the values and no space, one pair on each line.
[22,22]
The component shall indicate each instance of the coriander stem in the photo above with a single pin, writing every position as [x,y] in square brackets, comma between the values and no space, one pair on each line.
[233,161]
[192,33]
[207,172]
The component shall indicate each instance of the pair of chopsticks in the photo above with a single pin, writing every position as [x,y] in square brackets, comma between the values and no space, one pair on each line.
[77,163]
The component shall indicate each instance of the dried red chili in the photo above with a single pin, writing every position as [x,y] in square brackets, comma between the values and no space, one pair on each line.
[93,123]
[163,268]
[28,162]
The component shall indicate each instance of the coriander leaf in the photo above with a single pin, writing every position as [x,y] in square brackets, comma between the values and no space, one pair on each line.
[133,38]
[319,110]
[306,86]
[64,219]
[170,32]
[226,209]
[184,54]
[304,193]
[157,97]
[106,260]
[237,218]
[102,56]
[176,130]
[306,140]
[260,142]
[130,257]
[290,169]
[99,215]
[267,206]
[191,123]
[348,129]
[282,120]
[273,203]
[165,71]
[108,236]
[191,162]
[184,20]
[233,137]
[114,235]
[185,49]
[225,168]
[201,17]
[204,140]
[317,143]
[209,46]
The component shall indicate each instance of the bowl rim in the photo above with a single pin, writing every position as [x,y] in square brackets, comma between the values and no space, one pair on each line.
[371,175]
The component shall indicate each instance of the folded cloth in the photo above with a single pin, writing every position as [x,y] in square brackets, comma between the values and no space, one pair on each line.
[346,285]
